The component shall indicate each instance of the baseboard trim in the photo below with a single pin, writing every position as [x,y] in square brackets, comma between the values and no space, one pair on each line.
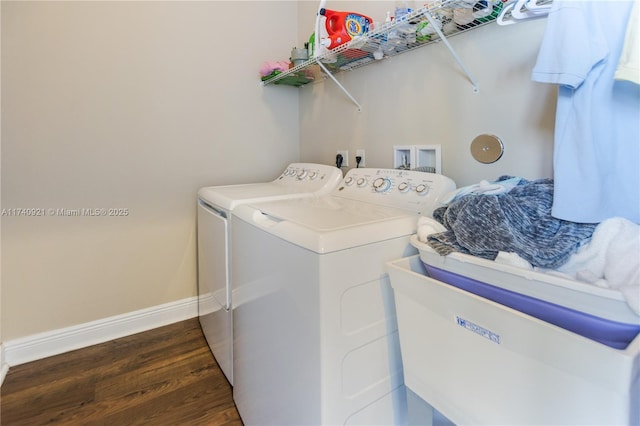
[55,342]
[4,367]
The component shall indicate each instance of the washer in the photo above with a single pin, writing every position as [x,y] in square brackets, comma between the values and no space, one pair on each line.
[215,203]
[314,323]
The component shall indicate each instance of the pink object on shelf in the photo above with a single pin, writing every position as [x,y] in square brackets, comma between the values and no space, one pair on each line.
[270,66]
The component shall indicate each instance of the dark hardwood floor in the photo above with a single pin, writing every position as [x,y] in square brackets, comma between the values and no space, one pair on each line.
[166,376]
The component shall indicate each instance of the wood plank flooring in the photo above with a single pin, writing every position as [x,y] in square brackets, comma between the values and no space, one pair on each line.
[166,376]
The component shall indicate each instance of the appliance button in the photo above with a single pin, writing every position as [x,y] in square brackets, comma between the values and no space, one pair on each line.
[422,189]
[403,187]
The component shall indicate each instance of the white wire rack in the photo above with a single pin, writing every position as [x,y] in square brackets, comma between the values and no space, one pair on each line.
[432,23]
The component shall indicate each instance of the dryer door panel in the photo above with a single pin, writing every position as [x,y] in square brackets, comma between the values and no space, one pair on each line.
[213,241]
[214,296]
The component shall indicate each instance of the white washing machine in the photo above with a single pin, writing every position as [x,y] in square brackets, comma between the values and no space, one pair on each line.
[214,226]
[314,322]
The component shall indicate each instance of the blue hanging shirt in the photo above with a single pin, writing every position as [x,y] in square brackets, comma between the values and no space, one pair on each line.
[597,128]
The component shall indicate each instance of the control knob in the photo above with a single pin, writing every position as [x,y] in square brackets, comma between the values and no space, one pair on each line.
[381,184]
[403,187]
[348,181]
[362,182]
[302,174]
[422,189]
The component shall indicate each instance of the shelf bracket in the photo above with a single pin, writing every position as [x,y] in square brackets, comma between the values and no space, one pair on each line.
[346,92]
[453,52]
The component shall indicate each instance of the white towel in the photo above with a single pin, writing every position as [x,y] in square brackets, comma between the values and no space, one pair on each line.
[428,226]
[610,259]
[513,259]
[484,187]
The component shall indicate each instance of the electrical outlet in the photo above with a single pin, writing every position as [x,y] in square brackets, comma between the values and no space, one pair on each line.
[360,153]
[345,158]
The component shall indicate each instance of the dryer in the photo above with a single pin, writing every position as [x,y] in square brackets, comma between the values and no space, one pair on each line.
[314,322]
[215,203]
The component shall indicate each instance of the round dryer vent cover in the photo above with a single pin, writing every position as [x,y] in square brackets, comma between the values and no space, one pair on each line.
[487,148]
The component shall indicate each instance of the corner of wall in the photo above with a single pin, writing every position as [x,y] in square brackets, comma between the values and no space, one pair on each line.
[4,367]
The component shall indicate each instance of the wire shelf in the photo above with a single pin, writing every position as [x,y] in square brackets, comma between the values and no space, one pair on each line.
[417,29]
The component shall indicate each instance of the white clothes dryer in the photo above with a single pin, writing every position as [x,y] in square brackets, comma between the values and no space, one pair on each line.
[314,322]
[215,203]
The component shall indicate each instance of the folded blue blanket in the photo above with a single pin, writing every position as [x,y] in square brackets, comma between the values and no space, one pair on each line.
[518,221]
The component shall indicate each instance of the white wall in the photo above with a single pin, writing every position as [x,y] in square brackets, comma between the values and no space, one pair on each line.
[137,104]
[131,105]
[3,366]
[423,97]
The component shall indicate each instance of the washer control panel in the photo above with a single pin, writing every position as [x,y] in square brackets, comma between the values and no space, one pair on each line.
[309,175]
[406,189]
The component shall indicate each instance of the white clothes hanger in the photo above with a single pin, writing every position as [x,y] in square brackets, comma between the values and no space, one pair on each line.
[521,11]
[536,7]
[505,18]
[518,10]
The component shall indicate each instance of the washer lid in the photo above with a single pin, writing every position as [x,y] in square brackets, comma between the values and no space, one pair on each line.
[330,223]
[298,180]
[229,197]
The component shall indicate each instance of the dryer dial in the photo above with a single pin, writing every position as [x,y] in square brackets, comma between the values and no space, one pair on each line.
[302,174]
